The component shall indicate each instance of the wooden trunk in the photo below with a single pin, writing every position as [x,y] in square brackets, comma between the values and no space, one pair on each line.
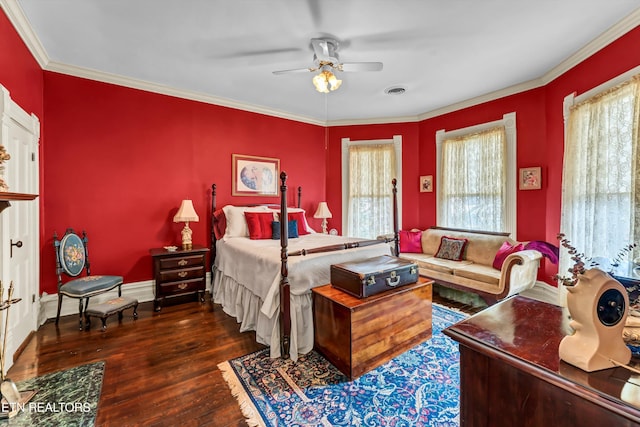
[360,334]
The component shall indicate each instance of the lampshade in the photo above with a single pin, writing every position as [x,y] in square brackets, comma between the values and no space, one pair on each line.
[186,213]
[322,211]
[326,80]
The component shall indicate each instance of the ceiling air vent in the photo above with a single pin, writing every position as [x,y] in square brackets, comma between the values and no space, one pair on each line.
[395,90]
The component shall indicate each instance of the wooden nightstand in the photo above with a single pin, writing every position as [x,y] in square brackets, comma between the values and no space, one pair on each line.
[179,273]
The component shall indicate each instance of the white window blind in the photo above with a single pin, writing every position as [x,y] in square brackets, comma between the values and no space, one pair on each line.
[368,169]
[600,183]
[476,177]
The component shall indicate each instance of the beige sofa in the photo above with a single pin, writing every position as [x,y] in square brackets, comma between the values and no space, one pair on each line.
[475,272]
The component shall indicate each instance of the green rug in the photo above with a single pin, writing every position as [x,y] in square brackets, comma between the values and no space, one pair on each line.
[65,398]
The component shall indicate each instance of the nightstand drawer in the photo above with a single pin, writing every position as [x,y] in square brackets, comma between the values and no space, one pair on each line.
[184,286]
[181,261]
[182,274]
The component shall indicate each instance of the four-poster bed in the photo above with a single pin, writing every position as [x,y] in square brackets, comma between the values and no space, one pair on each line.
[267,286]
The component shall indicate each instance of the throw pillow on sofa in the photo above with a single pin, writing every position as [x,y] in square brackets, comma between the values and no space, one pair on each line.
[505,250]
[410,241]
[451,248]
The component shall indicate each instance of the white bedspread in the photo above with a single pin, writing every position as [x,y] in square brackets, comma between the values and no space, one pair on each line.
[247,283]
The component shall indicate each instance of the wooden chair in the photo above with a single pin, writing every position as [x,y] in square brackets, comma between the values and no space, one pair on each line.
[72,258]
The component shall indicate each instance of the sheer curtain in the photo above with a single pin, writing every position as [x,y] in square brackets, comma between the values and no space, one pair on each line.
[600,197]
[371,169]
[473,181]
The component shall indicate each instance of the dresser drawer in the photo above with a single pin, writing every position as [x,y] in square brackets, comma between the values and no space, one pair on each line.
[182,274]
[179,287]
[181,262]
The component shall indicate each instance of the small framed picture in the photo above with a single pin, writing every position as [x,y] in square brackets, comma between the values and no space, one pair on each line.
[426,184]
[255,176]
[530,178]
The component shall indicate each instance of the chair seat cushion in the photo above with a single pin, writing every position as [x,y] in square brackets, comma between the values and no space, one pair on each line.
[111,307]
[90,285]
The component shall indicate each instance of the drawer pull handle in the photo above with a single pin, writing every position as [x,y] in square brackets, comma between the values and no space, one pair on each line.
[182,286]
[183,262]
[182,274]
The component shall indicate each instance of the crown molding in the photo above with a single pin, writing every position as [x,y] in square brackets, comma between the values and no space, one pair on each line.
[104,77]
[491,96]
[20,22]
[627,24]
[373,121]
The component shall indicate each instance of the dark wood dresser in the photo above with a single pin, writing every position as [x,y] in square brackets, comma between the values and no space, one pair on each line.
[511,373]
[360,334]
[178,273]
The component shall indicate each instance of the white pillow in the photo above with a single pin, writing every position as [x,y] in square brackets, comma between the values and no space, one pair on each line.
[236,221]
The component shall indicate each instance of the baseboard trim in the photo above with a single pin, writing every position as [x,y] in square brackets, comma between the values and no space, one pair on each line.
[542,291]
[142,291]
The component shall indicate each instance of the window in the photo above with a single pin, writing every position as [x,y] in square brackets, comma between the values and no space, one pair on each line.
[476,169]
[600,182]
[368,169]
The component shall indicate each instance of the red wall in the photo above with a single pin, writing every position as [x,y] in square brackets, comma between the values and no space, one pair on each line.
[540,139]
[19,71]
[119,161]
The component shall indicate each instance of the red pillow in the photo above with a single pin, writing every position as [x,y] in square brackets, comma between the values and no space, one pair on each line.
[410,241]
[299,216]
[451,248]
[259,224]
[505,250]
[220,224]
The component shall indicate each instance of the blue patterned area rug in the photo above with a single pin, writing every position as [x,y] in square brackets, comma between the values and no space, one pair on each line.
[64,398]
[418,388]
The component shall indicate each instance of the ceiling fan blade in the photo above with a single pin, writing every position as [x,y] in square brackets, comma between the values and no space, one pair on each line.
[361,66]
[294,70]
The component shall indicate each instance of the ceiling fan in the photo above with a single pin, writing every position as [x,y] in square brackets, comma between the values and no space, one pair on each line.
[326,60]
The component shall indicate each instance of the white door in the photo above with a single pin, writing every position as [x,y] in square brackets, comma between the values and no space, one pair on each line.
[19,224]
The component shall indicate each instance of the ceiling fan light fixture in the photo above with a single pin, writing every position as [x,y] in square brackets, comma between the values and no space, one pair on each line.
[326,81]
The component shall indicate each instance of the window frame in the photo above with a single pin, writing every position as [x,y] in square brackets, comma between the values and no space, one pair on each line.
[508,121]
[346,143]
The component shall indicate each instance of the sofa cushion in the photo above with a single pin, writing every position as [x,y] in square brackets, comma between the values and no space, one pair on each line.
[410,241]
[430,262]
[481,249]
[451,248]
[481,273]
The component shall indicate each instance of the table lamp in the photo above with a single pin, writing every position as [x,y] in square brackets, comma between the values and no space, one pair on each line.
[185,214]
[324,213]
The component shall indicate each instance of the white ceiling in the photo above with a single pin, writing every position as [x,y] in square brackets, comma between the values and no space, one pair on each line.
[445,53]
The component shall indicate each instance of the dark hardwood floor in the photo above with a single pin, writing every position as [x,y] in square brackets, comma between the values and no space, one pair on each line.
[161,369]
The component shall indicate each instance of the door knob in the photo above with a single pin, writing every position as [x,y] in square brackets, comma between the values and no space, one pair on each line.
[17,244]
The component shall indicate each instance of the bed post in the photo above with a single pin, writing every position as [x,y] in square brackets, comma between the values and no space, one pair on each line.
[299,197]
[213,234]
[285,298]
[396,234]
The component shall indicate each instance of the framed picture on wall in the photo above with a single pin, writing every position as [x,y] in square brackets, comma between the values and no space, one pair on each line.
[254,176]
[530,178]
[426,184]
